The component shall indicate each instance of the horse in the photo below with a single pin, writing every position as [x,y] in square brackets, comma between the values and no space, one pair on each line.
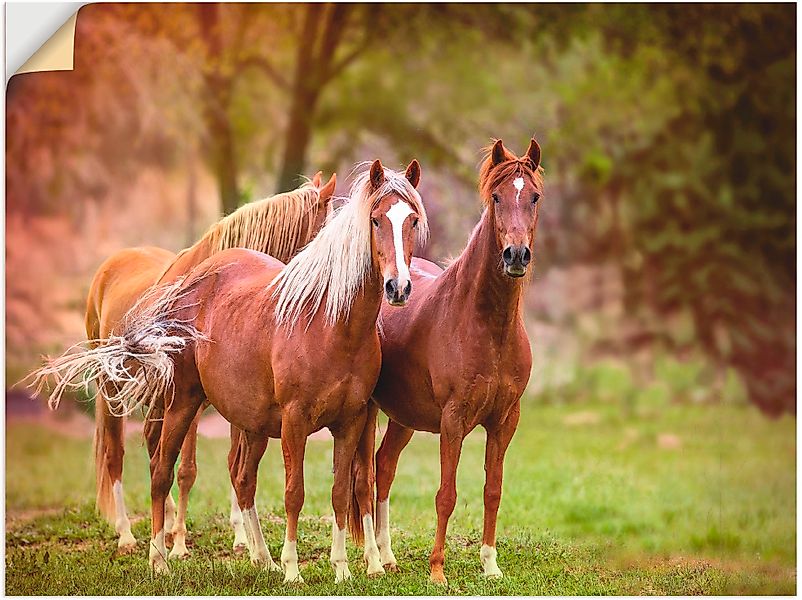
[458,356]
[282,351]
[280,226]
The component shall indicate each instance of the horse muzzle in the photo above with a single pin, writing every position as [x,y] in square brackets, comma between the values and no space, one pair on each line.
[516,258]
[395,295]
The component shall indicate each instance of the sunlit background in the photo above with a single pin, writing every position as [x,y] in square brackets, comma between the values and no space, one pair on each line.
[665,254]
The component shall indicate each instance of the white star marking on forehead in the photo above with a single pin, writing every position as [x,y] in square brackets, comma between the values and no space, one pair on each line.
[519,185]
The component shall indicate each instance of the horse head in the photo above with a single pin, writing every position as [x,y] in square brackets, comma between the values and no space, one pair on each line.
[511,187]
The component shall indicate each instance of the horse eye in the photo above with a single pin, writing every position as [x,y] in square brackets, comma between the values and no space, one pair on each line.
[374,221]
[415,224]
[495,198]
[535,198]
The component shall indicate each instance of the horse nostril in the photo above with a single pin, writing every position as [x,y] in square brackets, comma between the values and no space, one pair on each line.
[408,289]
[391,287]
[526,256]
[507,255]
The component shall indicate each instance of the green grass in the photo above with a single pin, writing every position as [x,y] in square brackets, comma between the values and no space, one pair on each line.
[592,505]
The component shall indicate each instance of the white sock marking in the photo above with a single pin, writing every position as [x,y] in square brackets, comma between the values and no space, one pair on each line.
[519,185]
[121,523]
[289,560]
[487,556]
[157,555]
[338,556]
[237,523]
[371,548]
[383,533]
[397,214]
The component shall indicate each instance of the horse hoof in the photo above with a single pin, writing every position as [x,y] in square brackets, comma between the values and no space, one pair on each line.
[240,548]
[376,572]
[168,539]
[392,568]
[438,578]
[497,574]
[125,549]
[297,579]
[179,553]
[342,575]
[159,567]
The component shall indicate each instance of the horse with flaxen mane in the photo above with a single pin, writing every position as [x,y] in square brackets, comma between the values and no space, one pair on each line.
[280,226]
[280,351]
[458,356]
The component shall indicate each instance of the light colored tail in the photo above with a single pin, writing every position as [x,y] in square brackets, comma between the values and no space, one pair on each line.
[105,497]
[131,367]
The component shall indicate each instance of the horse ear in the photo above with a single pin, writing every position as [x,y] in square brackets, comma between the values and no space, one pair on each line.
[498,153]
[316,179]
[327,191]
[376,174]
[533,153]
[413,173]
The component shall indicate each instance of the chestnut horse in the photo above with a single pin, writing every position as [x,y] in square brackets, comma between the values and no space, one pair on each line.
[458,356]
[280,225]
[283,351]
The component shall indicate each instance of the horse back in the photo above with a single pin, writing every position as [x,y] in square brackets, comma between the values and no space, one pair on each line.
[118,283]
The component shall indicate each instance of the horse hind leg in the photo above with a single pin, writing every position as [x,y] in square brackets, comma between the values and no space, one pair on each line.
[236,519]
[164,453]
[361,511]
[187,473]
[395,440]
[243,477]
[109,445]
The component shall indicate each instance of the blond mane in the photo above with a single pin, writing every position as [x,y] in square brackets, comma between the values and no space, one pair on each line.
[336,262]
[278,225]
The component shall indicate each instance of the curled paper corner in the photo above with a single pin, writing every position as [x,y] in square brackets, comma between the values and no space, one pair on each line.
[57,53]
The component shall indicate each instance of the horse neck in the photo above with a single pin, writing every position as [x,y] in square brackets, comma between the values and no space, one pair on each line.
[365,308]
[480,285]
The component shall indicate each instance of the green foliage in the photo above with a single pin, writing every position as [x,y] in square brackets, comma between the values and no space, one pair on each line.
[598,505]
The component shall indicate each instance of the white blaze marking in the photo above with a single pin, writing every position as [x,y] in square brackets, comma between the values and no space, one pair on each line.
[397,214]
[519,185]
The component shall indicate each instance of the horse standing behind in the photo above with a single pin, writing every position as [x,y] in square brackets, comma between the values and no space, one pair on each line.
[283,351]
[458,356]
[280,226]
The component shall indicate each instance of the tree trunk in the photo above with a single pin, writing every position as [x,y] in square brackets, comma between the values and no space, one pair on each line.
[296,142]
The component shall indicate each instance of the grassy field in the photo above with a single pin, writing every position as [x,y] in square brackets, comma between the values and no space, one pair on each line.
[678,500]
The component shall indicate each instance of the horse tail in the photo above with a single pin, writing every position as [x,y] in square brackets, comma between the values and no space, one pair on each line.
[131,367]
[104,500]
[363,480]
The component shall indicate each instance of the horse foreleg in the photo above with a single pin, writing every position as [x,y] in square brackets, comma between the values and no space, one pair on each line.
[395,440]
[177,421]
[236,519]
[293,447]
[498,439]
[187,472]
[243,478]
[346,439]
[451,436]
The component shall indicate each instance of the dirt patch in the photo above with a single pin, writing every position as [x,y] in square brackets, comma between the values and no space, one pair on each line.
[16,518]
